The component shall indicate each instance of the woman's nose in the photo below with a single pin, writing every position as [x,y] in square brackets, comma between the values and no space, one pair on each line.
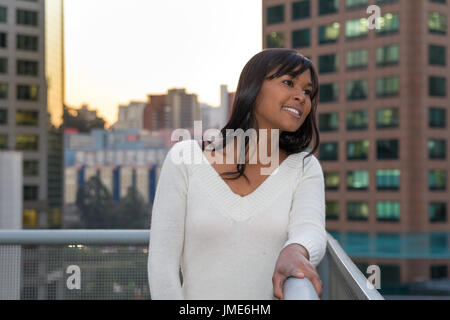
[300,96]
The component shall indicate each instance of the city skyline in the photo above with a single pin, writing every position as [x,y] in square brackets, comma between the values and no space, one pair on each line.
[95,42]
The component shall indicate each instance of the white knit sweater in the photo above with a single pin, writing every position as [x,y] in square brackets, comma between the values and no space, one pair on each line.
[227,245]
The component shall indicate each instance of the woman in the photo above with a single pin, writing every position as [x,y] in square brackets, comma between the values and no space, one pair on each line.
[241,237]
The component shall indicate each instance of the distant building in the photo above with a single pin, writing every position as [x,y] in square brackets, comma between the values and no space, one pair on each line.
[177,109]
[131,116]
[120,158]
[31,93]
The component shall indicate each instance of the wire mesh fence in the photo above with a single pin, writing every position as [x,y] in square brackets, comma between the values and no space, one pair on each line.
[72,272]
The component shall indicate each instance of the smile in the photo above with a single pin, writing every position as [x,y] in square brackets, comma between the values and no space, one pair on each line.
[293,112]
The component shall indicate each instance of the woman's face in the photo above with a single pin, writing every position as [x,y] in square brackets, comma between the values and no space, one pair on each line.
[279,96]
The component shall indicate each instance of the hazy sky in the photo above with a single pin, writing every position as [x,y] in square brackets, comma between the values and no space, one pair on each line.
[122,50]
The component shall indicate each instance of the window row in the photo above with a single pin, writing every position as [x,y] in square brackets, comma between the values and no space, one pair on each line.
[23,42]
[385,150]
[355,29]
[23,67]
[385,211]
[385,118]
[23,17]
[384,87]
[23,92]
[302,9]
[385,180]
[23,117]
[24,142]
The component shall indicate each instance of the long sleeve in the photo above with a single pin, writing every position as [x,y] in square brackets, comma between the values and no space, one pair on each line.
[307,215]
[167,229]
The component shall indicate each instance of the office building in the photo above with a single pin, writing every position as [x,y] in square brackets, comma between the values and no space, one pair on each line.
[382,114]
[32,95]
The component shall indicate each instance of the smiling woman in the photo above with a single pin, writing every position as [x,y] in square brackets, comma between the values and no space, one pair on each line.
[236,238]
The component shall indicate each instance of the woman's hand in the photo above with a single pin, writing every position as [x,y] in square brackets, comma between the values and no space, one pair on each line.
[293,261]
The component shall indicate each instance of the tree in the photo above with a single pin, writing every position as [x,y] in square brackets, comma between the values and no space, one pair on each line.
[75,118]
[96,205]
[132,212]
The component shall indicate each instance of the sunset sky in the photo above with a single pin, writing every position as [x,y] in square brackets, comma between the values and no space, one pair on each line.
[117,51]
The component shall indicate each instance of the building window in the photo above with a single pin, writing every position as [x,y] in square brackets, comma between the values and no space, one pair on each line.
[387,55]
[387,118]
[3,14]
[358,28]
[437,23]
[27,118]
[30,219]
[26,17]
[331,180]
[28,43]
[357,210]
[329,121]
[437,55]
[388,179]
[275,14]
[30,193]
[328,151]
[437,149]
[27,68]
[3,66]
[275,40]
[356,89]
[437,212]
[387,87]
[358,150]
[27,92]
[328,63]
[328,6]
[301,38]
[328,92]
[357,59]
[329,33]
[3,91]
[437,118]
[27,142]
[439,272]
[3,142]
[30,168]
[388,211]
[389,23]
[356,4]
[3,116]
[357,120]
[357,180]
[387,149]
[301,9]
[437,86]
[3,40]
[332,210]
[437,180]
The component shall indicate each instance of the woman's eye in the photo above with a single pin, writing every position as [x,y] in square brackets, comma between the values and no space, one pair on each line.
[288,82]
[307,92]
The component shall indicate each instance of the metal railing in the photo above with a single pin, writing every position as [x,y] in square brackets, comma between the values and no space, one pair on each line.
[112,264]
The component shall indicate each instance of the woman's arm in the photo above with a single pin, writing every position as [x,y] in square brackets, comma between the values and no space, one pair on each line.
[167,229]
[307,216]
[307,239]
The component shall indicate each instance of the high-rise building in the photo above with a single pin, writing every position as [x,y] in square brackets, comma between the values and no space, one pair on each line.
[32,95]
[384,123]
[130,116]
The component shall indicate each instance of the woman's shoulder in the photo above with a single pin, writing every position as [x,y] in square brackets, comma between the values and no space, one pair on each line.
[185,152]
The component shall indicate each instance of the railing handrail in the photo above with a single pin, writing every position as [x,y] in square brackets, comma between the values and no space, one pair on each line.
[71,236]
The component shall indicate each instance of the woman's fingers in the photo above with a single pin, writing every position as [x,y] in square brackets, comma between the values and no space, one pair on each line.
[277,281]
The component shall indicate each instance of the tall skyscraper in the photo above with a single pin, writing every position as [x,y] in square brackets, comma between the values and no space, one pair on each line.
[383,109]
[31,98]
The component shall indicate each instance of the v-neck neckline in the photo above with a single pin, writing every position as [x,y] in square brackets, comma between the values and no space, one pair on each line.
[259,189]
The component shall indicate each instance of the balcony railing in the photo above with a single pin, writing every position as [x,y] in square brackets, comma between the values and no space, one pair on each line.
[112,264]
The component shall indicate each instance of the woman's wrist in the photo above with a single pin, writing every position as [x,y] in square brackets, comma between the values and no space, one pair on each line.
[302,250]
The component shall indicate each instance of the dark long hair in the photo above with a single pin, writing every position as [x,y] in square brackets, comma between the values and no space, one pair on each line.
[250,82]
